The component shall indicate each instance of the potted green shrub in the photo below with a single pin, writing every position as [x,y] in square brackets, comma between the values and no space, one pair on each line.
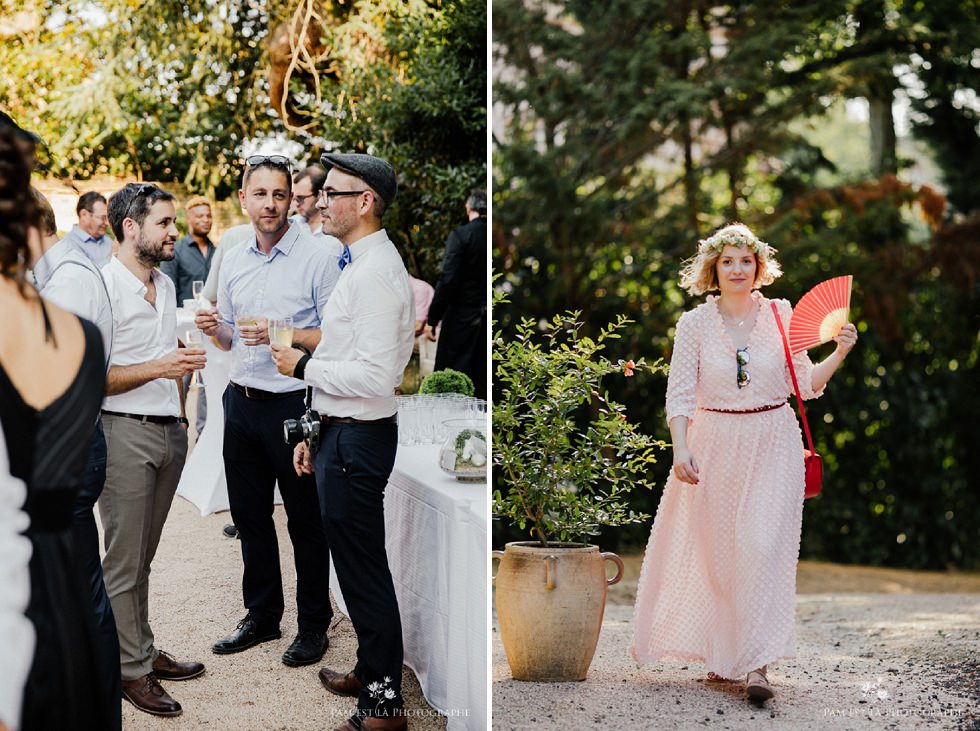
[565,457]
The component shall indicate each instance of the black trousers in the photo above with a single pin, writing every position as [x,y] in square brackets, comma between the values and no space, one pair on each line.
[86,537]
[352,469]
[255,457]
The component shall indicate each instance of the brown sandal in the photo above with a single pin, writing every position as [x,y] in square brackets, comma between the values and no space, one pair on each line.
[757,686]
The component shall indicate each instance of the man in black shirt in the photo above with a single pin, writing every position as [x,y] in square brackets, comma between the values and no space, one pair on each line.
[460,301]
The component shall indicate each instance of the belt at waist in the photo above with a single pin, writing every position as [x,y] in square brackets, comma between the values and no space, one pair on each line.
[260,395]
[328,420]
[746,411]
[145,418]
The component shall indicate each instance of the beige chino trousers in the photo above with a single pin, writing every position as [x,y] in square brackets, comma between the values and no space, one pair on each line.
[143,467]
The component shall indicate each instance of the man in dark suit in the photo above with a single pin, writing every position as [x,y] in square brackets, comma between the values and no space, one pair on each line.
[460,301]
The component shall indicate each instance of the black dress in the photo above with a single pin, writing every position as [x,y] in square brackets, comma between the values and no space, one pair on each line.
[47,450]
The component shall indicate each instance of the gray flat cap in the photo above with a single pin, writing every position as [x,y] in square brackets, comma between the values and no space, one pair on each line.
[372,170]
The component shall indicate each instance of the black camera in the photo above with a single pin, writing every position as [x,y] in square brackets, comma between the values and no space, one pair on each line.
[304,429]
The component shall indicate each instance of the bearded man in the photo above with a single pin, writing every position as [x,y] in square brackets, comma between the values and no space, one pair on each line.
[145,432]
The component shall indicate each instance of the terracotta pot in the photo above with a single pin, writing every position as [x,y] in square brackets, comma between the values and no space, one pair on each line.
[550,603]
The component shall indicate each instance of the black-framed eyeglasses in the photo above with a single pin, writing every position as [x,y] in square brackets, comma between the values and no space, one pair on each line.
[279,161]
[301,198]
[329,195]
[141,189]
[742,359]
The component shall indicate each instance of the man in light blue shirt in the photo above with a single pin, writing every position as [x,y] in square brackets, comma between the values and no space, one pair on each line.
[279,271]
[87,236]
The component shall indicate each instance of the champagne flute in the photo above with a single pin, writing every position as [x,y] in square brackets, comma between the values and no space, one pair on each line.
[243,318]
[197,288]
[281,331]
[194,339]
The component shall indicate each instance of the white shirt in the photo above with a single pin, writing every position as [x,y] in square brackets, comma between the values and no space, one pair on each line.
[75,284]
[98,251]
[16,631]
[368,333]
[141,333]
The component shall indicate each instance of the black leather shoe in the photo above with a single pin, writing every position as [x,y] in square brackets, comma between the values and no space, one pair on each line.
[230,531]
[247,634]
[307,648]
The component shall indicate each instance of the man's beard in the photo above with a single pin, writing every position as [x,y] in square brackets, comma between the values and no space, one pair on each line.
[149,254]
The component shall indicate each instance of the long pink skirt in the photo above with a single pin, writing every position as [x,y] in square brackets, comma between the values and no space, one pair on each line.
[719,576]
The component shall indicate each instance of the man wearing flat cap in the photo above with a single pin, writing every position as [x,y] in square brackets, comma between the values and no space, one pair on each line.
[369,329]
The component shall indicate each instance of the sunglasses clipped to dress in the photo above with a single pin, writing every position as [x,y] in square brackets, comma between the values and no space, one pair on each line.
[742,377]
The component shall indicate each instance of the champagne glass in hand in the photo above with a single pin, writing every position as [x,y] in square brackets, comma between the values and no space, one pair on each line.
[281,331]
[194,339]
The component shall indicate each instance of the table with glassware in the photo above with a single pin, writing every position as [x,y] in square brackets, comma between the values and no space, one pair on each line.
[436,539]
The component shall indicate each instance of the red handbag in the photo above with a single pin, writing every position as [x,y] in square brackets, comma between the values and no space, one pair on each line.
[812,461]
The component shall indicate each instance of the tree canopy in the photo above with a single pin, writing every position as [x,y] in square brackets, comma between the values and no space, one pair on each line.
[176,92]
[629,130]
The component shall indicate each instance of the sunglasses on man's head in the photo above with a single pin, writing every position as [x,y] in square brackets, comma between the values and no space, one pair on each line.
[278,161]
[141,189]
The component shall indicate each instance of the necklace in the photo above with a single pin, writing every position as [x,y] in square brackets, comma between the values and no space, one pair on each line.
[736,323]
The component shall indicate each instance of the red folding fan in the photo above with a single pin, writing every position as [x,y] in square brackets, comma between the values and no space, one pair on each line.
[820,313]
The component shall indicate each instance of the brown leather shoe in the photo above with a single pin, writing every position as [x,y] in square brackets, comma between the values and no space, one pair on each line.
[166,667]
[340,684]
[148,695]
[372,723]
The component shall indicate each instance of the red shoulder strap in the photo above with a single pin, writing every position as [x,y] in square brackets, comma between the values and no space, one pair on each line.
[792,373]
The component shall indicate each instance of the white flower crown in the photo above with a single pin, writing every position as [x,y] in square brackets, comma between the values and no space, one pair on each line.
[732,237]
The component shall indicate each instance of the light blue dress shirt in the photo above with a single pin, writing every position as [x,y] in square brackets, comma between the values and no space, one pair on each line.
[295,280]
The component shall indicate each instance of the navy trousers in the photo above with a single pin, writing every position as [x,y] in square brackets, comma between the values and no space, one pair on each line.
[86,536]
[352,469]
[256,456]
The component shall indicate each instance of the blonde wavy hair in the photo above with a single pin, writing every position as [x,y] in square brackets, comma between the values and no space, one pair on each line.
[700,275]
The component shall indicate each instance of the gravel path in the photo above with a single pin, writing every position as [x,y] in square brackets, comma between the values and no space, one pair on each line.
[864,661]
[195,599]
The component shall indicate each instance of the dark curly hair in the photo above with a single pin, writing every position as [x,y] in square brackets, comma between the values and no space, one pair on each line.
[18,208]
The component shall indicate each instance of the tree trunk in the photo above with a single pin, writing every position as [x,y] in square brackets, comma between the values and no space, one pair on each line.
[884,158]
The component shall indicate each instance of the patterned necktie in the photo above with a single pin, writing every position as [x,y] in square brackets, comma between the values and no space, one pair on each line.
[344,259]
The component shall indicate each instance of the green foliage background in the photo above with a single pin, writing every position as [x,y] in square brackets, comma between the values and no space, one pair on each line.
[629,129]
[171,92]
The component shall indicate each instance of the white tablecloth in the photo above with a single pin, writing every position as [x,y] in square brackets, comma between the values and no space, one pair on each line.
[202,481]
[436,538]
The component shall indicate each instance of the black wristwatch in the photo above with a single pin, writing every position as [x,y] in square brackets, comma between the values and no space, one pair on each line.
[183,420]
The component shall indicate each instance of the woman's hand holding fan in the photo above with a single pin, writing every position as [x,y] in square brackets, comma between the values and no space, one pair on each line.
[821,315]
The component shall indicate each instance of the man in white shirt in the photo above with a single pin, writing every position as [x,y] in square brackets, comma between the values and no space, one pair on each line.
[87,237]
[280,272]
[369,327]
[75,283]
[145,433]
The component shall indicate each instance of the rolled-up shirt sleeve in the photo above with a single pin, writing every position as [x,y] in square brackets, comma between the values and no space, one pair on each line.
[683,377]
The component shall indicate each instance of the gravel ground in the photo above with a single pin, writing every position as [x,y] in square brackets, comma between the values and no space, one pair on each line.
[196,599]
[864,661]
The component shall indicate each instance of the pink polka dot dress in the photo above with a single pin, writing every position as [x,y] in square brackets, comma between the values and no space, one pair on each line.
[718,582]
